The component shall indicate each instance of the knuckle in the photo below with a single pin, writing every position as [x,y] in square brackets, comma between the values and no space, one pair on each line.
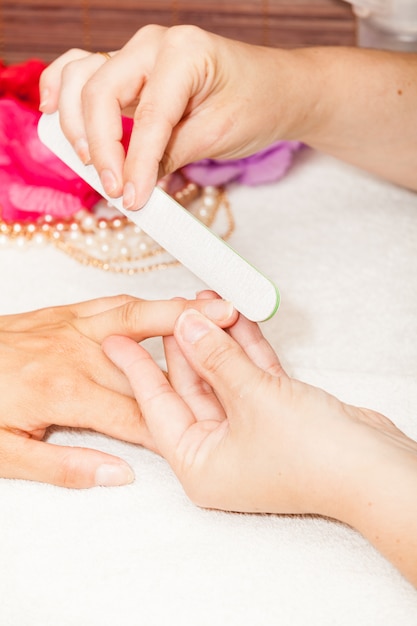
[130,316]
[91,89]
[144,115]
[124,298]
[149,30]
[67,473]
[218,358]
[70,70]
[184,34]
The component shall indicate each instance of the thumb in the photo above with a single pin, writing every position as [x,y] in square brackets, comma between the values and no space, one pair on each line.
[215,356]
[71,467]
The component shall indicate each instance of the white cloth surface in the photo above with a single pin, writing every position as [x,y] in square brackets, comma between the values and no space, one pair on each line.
[342,247]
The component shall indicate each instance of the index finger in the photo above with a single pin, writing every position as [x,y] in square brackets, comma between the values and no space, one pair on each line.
[178,82]
[150,318]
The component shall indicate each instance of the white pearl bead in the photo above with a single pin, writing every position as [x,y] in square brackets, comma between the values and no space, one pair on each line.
[89,241]
[210,190]
[39,239]
[88,222]
[209,201]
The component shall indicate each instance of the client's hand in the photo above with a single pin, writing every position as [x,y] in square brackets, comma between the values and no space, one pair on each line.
[53,371]
[243,436]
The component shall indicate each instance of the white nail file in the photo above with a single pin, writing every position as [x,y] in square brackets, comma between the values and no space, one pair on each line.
[181,234]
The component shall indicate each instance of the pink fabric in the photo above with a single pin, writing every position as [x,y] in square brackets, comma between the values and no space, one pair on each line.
[32,180]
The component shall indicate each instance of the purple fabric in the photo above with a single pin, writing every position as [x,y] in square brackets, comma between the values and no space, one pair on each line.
[265,166]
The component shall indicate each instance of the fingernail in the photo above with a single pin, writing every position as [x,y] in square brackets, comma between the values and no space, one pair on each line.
[108,475]
[43,96]
[108,180]
[81,148]
[218,310]
[129,195]
[193,326]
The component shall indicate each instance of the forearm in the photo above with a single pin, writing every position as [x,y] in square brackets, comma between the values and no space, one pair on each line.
[358,105]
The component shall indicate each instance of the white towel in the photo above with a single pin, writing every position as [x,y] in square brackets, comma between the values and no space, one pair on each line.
[342,246]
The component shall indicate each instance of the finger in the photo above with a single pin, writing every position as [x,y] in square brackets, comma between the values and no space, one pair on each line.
[248,335]
[82,403]
[217,358]
[50,80]
[63,466]
[44,317]
[69,398]
[75,76]
[114,88]
[166,415]
[148,318]
[250,338]
[99,305]
[187,383]
[193,389]
[174,81]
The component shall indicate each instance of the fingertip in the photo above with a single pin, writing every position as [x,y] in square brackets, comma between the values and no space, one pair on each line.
[113,475]
[136,196]
[129,196]
[115,347]
[191,326]
[43,99]
[222,312]
[207,294]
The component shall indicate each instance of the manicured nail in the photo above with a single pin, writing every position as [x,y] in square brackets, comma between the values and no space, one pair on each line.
[193,326]
[43,96]
[129,195]
[108,475]
[218,310]
[81,148]
[108,180]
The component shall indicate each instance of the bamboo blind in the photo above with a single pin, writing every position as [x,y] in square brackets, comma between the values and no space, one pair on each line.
[45,28]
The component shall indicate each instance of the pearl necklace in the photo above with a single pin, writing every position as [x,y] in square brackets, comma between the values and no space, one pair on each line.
[107,240]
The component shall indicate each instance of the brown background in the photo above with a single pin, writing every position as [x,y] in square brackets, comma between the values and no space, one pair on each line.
[45,28]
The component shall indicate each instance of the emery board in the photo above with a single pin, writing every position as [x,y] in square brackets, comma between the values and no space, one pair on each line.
[181,234]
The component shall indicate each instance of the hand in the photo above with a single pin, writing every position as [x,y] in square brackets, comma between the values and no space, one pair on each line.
[187,93]
[53,371]
[243,436]
[196,95]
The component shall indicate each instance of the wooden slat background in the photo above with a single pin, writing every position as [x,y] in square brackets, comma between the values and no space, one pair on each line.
[45,28]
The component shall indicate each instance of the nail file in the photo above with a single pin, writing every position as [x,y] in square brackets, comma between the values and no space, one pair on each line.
[181,234]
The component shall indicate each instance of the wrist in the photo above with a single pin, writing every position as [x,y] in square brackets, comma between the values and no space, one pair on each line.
[299,95]
[381,498]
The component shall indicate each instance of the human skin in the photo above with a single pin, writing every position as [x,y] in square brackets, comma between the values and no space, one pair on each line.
[191,100]
[53,372]
[241,435]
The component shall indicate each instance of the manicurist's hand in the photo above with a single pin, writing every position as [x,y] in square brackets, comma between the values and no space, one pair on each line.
[193,94]
[196,95]
[241,435]
[53,372]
